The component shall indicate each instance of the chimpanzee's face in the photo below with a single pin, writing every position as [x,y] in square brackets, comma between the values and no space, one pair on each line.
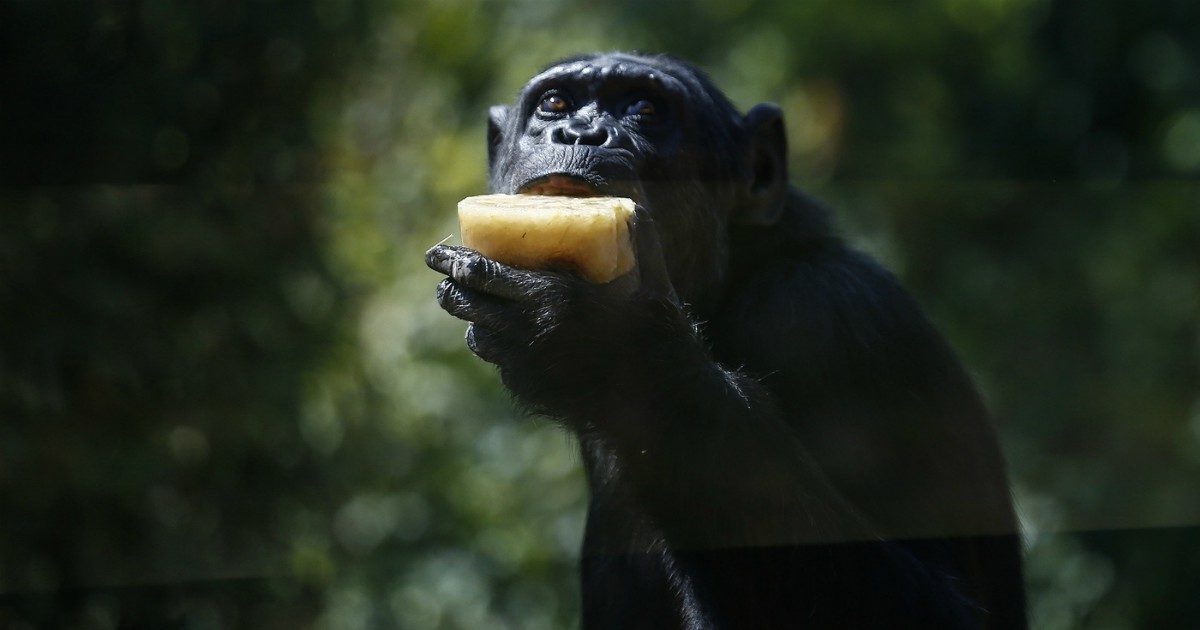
[624,126]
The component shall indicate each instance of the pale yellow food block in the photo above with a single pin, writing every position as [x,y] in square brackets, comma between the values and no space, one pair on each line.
[590,235]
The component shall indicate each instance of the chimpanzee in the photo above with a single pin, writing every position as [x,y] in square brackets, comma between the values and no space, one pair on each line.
[773,434]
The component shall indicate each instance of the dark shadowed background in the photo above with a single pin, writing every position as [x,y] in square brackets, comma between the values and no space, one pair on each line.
[228,399]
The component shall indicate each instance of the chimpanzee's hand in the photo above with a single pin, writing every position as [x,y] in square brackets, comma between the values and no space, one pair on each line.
[553,334]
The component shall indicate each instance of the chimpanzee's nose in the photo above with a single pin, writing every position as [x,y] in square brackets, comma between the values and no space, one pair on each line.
[594,133]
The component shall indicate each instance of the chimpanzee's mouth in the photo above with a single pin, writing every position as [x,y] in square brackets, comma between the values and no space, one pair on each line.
[560,185]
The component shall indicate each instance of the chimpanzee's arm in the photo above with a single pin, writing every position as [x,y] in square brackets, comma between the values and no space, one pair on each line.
[624,364]
[704,453]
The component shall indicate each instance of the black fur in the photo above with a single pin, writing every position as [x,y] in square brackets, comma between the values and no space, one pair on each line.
[774,435]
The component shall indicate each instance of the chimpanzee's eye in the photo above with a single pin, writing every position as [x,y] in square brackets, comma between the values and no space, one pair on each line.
[553,104]
[641,107]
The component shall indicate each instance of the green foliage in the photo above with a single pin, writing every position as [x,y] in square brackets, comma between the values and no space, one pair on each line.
[228,398]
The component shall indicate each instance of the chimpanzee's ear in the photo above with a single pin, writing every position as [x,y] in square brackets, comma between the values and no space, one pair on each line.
[767,154]
[497,119]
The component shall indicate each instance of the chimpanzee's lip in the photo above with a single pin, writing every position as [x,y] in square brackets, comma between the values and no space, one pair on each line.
[560,184]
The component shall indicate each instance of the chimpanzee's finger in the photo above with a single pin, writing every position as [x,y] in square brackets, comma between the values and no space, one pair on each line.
[440,257]
[474,306]
[487,343]
[472,269]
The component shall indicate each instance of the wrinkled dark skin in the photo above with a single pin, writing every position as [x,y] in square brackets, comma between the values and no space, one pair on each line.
[774,435]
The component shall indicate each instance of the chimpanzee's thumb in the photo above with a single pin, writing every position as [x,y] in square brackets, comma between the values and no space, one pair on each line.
[651,265]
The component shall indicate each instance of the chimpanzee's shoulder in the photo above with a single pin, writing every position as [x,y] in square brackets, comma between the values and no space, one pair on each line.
[815,308]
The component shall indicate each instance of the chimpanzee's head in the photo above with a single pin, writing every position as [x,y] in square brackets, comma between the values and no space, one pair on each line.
[654,129]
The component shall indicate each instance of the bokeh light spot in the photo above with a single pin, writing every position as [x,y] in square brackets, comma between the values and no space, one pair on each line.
[1181,146]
